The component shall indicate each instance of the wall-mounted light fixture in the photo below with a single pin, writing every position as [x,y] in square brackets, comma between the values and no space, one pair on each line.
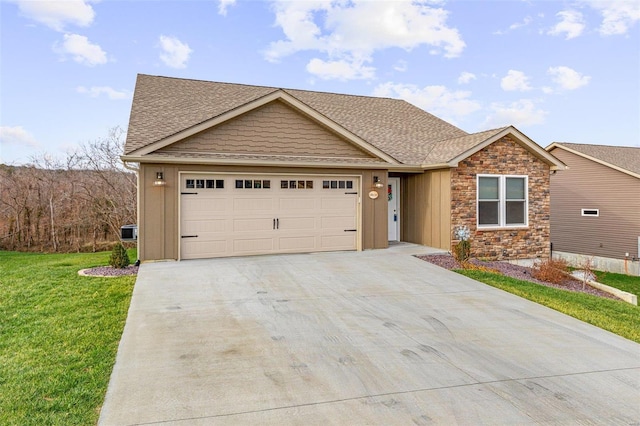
[377,183]
[159,180]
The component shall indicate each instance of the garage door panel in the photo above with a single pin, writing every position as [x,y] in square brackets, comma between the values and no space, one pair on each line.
[253,245]
[193,227]
[307,243]
[271,215]
[250,224]
[202,249]
[338,222]
[241,205]
[297,223]
[338,242]
[294,204]
[204,205]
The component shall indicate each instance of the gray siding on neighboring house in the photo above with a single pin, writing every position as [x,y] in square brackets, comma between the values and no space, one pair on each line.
[590,185]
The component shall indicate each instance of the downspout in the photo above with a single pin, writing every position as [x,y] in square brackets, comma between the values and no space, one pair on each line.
[136,170]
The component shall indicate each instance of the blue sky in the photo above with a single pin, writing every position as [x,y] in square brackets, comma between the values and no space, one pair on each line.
[565,71]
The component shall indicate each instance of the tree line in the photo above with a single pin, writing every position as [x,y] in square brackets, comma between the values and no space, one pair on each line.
[75,203]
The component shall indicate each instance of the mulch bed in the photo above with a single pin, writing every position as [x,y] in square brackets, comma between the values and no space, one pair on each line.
[108,271]
[515,271]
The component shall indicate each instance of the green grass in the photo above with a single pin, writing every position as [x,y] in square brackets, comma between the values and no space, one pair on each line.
[623,282]
[616,316]
[59,334]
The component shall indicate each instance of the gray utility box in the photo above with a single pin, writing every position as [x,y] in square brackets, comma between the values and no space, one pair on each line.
[129,233]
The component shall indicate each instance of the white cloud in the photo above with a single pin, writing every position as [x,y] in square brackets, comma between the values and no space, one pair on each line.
[437,100]
[520,113]
[617,16]
[81,50]
[401,66]
[352,31]
[111,93]
[224,5]
[57,14]
[466,77]
[17,136]
[339,70]
[526,21]
[567,78]
[571,24]
[515,80]
[175,53]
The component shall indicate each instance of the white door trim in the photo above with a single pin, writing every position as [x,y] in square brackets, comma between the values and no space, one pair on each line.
[394,182]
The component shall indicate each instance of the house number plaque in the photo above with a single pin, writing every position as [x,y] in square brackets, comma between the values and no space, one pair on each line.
[373,194]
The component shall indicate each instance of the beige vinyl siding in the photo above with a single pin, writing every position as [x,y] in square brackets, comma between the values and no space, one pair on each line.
[158,215]
[590,185]
[426,215]
[274,129]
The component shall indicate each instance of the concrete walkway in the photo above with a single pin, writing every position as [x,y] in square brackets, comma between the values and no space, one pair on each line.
[369,338]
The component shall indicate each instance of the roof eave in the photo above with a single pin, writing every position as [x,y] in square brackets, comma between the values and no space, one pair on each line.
[150,159]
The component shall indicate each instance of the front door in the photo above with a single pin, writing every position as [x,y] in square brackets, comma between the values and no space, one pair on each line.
[393,197]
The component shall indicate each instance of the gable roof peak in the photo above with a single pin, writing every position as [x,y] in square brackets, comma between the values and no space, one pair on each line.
[622,158]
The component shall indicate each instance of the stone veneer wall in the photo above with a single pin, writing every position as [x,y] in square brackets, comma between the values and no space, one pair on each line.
[504,156]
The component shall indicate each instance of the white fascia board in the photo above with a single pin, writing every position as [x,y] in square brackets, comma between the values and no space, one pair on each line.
[259,163]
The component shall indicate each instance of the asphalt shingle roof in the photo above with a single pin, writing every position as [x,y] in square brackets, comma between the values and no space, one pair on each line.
[625,157]
[447,149]
[164,106]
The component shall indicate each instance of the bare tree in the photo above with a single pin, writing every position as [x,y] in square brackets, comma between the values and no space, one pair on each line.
[68,204]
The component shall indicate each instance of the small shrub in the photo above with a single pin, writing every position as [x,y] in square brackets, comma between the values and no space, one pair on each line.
[551,270]
[119,258]
[462,251]
[587,270]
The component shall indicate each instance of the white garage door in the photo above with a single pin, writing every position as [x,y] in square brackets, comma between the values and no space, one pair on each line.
[237,215]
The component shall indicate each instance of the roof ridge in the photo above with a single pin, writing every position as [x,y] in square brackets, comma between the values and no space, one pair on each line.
[286,89]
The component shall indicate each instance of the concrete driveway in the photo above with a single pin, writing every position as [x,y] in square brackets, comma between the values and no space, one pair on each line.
[376,337]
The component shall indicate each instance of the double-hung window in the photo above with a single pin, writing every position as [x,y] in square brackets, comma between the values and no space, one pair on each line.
[502,201]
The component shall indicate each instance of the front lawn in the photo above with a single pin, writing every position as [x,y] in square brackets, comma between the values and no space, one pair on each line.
[616,316]
[59,334]
[623,282]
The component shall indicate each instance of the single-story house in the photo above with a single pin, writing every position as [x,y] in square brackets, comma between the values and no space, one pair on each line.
[595,206]
[232,170]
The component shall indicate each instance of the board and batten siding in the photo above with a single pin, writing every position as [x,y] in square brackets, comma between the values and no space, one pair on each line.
[590,185]
[425,214]
[158,214]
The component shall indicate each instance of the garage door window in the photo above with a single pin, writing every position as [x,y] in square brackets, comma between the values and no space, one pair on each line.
[253,184]
[195,183]
[296,184]
[337,184]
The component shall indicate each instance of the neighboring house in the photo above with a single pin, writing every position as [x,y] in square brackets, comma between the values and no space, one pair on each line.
[595,206]
[230,170]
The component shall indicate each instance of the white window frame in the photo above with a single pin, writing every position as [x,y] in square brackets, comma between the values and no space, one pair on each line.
[502,202]
[582,212]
